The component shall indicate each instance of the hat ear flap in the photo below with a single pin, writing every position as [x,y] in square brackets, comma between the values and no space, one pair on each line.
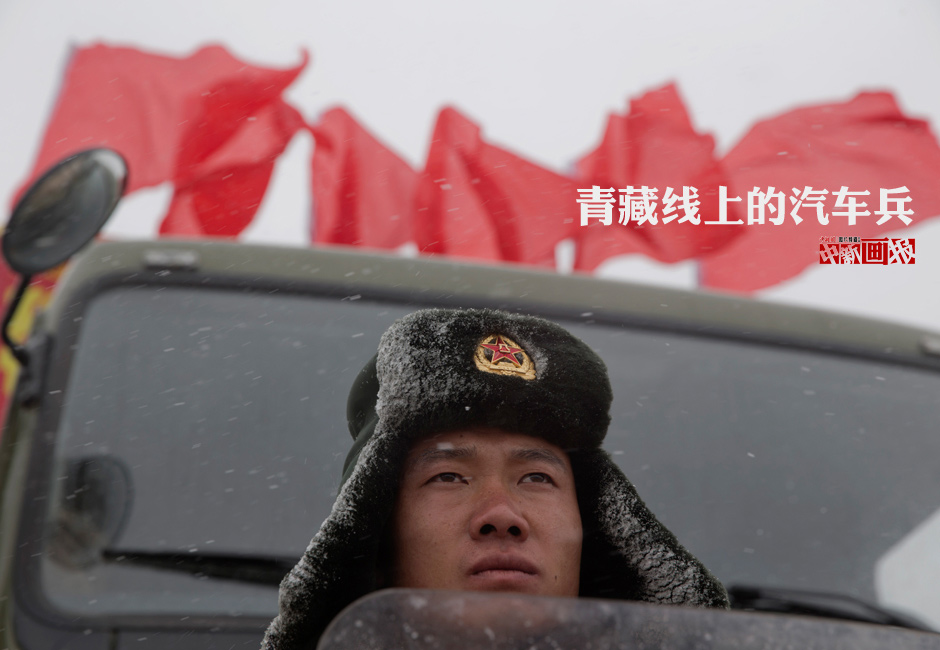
[627,553]
[602,574]
[340,563]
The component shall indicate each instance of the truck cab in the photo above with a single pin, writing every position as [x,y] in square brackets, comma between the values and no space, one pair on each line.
[178,432]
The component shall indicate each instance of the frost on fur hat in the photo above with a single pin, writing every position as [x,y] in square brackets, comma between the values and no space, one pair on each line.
[441,370]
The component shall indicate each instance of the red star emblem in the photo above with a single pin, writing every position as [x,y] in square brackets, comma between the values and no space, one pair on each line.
[502,351]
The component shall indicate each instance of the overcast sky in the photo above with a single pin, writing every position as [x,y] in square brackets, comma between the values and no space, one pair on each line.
[539,77]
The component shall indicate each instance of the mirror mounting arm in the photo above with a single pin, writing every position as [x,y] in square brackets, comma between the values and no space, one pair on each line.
[18,350]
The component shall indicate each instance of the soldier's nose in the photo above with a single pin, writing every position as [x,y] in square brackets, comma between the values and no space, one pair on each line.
[499,517]
[488,529]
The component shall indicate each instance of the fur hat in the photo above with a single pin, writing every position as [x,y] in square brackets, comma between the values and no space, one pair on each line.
[440,370]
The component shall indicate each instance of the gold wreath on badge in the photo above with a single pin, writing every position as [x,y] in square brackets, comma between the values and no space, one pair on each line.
[502,356]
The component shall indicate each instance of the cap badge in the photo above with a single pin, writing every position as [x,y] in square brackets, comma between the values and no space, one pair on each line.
[502,356]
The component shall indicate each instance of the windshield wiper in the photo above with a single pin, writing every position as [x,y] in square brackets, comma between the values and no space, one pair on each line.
[813,603]
[253,569]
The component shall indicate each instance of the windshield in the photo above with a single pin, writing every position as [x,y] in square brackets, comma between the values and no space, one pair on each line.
[226,411]
[215,422]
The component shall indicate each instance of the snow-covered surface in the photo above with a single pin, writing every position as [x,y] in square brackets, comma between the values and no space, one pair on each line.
[540,77]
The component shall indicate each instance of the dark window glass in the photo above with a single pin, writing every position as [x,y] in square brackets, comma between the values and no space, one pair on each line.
[226,410]
[777,466]
[215,423]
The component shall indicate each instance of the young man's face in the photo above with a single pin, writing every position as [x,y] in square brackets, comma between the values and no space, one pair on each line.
[487,510]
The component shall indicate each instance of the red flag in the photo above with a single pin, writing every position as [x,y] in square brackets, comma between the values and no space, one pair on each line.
[865,144]
[218,190]
[477,200]
[654,145]
[210,123]
[363,193]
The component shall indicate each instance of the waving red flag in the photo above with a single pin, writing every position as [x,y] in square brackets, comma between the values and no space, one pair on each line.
[235,130]
[654,146]
[209,123]
[864,145]
[363,193]
[477,200]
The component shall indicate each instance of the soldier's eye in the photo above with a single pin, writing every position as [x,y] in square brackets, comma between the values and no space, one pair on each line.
[448,477]
[537,477]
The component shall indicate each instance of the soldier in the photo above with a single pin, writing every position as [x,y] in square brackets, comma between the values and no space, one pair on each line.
[477,465]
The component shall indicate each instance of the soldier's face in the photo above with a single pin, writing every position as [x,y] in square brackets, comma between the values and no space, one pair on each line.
[487,510]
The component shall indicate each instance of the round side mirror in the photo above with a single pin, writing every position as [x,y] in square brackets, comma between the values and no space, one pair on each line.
[94,506]
[63,210]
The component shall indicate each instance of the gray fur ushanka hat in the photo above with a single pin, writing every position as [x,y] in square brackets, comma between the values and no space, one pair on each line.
[440,370]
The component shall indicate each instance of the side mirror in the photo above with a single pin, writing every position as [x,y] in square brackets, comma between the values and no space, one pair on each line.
[94,506]
[57,216]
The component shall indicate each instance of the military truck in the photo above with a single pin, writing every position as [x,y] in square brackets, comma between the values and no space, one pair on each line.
[178,429]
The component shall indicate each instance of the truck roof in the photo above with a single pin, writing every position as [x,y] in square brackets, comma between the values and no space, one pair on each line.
[356,274]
